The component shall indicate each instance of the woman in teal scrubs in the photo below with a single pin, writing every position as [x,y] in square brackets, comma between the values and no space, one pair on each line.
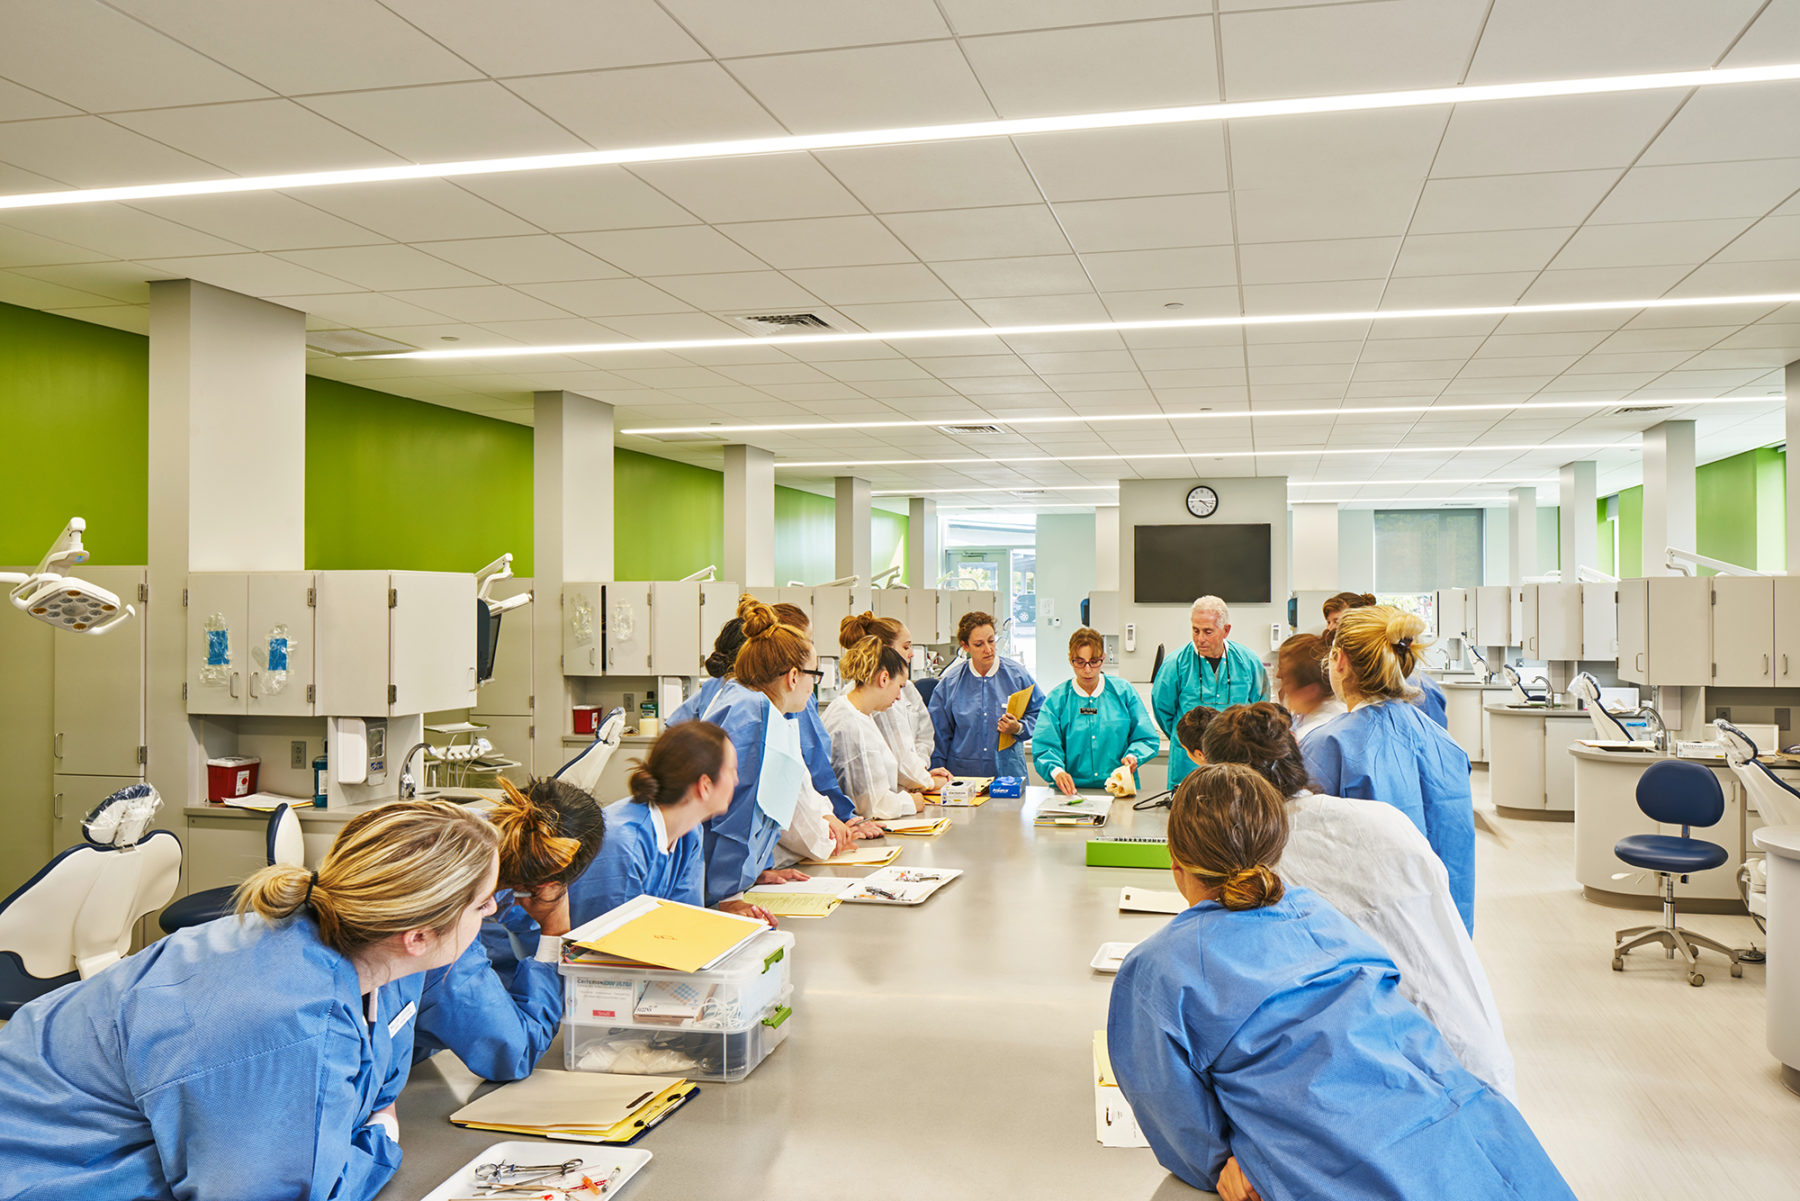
[1091,725]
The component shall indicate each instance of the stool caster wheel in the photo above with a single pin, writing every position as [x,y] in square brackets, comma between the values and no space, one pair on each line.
[1737,970]
[1696,979]
[1618,964]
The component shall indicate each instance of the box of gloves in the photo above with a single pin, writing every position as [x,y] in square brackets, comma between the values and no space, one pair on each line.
[715,1024]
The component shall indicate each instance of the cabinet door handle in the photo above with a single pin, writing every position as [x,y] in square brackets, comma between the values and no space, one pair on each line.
[1784,666]
[593,656]
[1765,669]
[234,684]
[1640,660]
[56,807]
[253,675]
[56,751]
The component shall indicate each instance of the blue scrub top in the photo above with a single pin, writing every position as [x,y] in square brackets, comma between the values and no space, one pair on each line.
[740,843]
[966,707]
[1432,702]
[1187,681]
[695,705]
[229,1060]
[1390,751]
[498,1019]
[631,864]
[1088,736]
[1279,1036]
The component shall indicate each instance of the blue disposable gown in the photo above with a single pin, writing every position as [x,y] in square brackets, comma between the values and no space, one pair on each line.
[966,707]
[1432,702]
[1278,1036]
[632,863]
[1390,751]
[740,843]
[1188,681]
[231,1061]
[1087,736]
[815,748]
[498,1019]
[695,705]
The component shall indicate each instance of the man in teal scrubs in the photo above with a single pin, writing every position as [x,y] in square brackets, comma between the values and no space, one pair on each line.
[1212,670]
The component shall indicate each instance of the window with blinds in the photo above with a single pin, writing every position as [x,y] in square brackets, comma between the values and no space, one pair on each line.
[1421,550]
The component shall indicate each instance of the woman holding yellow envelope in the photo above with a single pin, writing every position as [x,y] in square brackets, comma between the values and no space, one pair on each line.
[977,711]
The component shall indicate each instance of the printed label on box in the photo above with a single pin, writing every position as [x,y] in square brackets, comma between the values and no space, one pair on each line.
[604,1000]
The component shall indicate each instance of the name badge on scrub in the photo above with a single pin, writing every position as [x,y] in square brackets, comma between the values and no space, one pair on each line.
[401,1018]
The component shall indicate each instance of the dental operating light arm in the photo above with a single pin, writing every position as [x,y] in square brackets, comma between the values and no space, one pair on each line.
[66,601]
[1685,561]
[706,575]
[493,573]
[888,578]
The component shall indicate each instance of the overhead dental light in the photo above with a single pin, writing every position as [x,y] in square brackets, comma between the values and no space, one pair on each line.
[706,575]
[65,601]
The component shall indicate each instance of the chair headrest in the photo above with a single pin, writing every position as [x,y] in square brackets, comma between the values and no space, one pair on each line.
[121,819]
[1740,748]
[1680,792]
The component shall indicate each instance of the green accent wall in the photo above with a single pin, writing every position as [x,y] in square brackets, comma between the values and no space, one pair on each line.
[668,517]
[1771,509]
[805,536]
[1631,533]
[75,405]
[399,483]
[1740,513]
[888,545]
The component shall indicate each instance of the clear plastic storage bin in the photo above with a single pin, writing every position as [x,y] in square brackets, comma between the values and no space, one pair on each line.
[712,1025]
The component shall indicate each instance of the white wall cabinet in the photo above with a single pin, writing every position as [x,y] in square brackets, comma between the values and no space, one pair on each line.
[97,688]
[650,628]
[1634,630]
[267,645]
[922,614]
[1523,619]
[1493,616]
[394,643]
[1743,632]
[1787,631]
[1453,613]
[718,605]
[1600,622]
[831,606]
[1665,631]
[581,624]
[1557,613]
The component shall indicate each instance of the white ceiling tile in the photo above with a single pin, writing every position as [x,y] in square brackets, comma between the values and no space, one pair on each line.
[859,370]
[19,248]
[676,250]
[1770,238]
[1651,244]
[775,373]
[1601,283]
[872,285]
[1370,209]
[1419,350]
[650,106]
[606,297]
[867,87]
[1770,39]
[126,283]
[1010,230]
[532,259]
[1045,275]
[1296,151]
[752,189]
[1104,164]
[430,210]
[101,60]
[1516,365]
[1059,343]
[18,103]
[1547,39]
[1554,134]
[1639,340]
[1147,222]
[728,28]
[361,309]
[973,17]
[1188,358]
[1449,291]
[1655,362]
[1551,199]
[119,231]
[1700,191]
[819,242]
[580,199]
[1098,68]
[1720,124]
[1292,354]
[1310,262]
[1313,51]
[387,268]
[92,152]
[1478,253]
[1502,346]
[251,274]
[893,179]
[537,37]
[451,331]
[1106,360]
[1041,310]
[1356,295]
[322,46]
[1155,305]
[258,137]
[736,290]
[1136,270]
[447,122]
[1741,279]
[132,318]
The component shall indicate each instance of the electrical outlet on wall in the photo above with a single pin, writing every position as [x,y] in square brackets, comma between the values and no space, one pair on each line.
[297,754]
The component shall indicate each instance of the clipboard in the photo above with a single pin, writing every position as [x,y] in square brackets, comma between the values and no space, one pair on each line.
[1016,704]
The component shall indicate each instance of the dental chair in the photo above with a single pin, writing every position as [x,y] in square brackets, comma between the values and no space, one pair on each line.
[1607,726]
[1522,693]
[584,769]
[1776,801]
[76,915]
[284,844]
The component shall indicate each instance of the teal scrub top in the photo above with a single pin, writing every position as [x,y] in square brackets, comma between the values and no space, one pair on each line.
[1088,736]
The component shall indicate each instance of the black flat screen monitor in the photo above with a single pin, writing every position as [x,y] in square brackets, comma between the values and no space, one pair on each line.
[487,641]
[1176,564]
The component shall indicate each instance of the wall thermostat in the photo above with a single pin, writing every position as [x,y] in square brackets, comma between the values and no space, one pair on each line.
[1202,501]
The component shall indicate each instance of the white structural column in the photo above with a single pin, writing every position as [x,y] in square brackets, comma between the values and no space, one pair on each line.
[924,556]
[1576,519]
[749,517]
[1521,531]
[572,539]
[1106,548]
[227,445]
[1793,468]
[1315,547]
[1669,492]
[855,548]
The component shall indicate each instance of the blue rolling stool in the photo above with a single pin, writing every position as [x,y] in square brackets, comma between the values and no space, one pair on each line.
[1675,792]
[284,845]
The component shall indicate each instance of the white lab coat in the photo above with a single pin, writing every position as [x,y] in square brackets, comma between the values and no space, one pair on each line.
[807,835]
[906,725]
[1310,723]
[1373,865]
[865,764]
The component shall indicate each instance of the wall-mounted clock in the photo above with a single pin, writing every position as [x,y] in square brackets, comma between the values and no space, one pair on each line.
[1202,501]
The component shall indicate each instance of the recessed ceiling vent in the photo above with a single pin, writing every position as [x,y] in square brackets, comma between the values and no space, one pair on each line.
[1629,409]
[971,429]
[783,323]
[351,342]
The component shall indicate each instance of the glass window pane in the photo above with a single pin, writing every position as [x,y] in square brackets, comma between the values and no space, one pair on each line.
[1419,550]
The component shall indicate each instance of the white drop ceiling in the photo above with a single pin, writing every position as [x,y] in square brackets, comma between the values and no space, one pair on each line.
[1638,195]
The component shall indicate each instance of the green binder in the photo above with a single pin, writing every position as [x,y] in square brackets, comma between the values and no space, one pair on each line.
[1128,852]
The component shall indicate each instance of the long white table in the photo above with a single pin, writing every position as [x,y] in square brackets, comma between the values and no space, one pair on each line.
[940,1051]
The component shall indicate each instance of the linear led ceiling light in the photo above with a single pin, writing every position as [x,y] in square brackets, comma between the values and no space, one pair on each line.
[1015,488]
[1769,299]
[1218,454]
[1207,415]
[916,134]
